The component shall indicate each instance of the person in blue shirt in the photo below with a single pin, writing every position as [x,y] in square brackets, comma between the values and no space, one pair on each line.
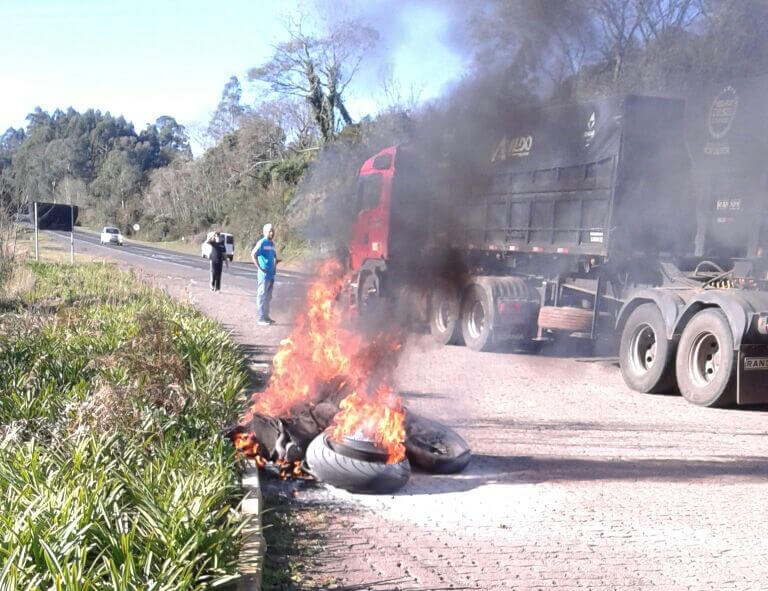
[263,256]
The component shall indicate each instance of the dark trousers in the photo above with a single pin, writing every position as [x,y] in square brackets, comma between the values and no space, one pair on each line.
[216,275]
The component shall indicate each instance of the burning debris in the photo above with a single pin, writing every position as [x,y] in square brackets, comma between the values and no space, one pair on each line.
[330,392]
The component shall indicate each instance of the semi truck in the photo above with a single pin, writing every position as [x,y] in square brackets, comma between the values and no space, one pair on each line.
[603,220]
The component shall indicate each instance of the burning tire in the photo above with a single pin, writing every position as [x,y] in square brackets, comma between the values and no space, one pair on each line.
[354,466]
[706,359]
[433,447]
[646,356]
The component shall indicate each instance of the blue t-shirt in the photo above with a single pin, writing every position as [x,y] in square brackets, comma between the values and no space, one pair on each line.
[265,255]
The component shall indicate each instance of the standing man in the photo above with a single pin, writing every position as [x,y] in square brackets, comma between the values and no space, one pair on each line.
[263,256]
[218,258]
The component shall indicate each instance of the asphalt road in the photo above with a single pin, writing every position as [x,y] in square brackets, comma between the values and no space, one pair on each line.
[242,275]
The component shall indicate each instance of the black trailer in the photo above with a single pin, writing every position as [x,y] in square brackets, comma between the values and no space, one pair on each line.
[589,224]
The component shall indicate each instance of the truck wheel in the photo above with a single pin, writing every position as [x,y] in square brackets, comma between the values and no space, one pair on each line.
[646,356]
[444,315]
[706,359]
[565,318]
[477,318]
[367,291]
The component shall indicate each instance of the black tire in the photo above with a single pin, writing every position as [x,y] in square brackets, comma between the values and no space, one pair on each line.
[433,447]
[367,292]
[565,318]
[646,356]
[355,475]
[706,360]
[477,318]
[231,258]
[444,310]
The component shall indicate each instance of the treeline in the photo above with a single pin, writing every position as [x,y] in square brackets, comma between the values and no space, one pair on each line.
[258,156]
[92,159]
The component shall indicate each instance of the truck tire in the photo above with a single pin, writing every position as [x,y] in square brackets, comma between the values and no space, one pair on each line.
[565,318]
[477,318]
[332,464]
[706,360]
[646,356]
[444,322]
[367,291]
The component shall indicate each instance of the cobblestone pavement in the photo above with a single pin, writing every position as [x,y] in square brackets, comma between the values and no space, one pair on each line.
[576,482]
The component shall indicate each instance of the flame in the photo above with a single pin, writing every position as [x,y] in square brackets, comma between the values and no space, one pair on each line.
[324,351]
[247,446]
[379,419]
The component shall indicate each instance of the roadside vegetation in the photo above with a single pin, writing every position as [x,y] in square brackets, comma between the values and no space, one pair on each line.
[113,470]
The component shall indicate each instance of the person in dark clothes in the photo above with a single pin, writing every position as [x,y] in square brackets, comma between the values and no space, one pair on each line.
[218,258]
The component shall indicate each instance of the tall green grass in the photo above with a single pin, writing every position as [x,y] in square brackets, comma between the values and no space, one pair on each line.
[113,470]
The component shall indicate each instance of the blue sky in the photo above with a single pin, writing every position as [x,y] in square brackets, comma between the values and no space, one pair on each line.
[146,58]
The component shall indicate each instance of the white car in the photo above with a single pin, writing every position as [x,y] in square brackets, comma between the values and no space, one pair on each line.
[229,246]
[111,235]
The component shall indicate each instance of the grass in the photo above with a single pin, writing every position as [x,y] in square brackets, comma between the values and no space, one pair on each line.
[113,470]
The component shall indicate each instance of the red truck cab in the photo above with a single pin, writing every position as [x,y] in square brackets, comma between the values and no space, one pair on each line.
[370,231]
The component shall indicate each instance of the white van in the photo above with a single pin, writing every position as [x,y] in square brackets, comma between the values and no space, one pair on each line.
[229,245]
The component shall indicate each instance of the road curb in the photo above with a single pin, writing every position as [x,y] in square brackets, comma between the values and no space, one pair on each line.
[254,545]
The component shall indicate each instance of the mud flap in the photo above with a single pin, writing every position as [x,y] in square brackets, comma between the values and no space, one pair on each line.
[752,375]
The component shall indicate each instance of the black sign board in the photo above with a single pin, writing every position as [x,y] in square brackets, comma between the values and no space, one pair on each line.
[56,216]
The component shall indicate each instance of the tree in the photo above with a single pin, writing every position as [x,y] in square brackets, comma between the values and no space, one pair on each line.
[528,46]
[229,112]
[318,69]
[630,26]
[172,138]
[118,178]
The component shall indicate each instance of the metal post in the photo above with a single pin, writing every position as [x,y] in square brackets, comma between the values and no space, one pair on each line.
[37,253]
[596,308]
[71,234]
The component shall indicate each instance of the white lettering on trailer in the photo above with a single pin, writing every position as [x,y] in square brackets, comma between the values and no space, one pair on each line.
[756,363]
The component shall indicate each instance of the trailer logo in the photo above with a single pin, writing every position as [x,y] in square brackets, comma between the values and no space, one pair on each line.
[723,112]
[756,363]
[517,147]
[589,134]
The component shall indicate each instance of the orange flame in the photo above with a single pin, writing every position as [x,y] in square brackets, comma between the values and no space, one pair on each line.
[324,351]
[379,419]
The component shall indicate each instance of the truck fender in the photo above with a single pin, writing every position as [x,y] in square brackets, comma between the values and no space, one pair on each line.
[669,303]
[737,310]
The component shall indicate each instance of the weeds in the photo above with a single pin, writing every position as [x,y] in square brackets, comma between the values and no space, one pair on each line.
[113,472]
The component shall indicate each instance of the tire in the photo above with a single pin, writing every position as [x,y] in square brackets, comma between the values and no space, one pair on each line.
[706,360]
[444,322]
[565,318]
[356,475]
[646,356]
[477,318]
[433,447]
[369,302]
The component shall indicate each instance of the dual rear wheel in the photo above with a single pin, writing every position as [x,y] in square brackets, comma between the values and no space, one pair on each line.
[702,365]
[454,320]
